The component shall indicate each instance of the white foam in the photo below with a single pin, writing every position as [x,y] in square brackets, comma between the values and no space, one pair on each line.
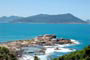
[43,57]
[28,57]
[50,50]
[48,46]
[65,50]
[76,42]
[64,45]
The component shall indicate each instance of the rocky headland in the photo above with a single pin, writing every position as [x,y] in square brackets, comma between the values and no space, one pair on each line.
[44,40]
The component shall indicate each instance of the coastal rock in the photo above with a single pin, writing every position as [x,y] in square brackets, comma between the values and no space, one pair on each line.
[44,40]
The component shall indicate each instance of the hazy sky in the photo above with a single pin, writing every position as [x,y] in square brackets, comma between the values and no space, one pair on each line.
[79,8]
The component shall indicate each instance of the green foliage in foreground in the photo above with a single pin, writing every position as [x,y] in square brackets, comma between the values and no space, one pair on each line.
[5,54]
[78,55]
[36,58]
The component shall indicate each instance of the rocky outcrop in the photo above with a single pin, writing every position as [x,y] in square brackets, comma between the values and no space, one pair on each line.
[47,39]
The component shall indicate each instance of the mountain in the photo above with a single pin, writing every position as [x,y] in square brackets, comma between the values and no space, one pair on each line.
[45,18]
[88,21]
[6,19]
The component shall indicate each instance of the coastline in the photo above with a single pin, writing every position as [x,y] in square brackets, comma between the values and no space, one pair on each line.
[49,42]
[50,50]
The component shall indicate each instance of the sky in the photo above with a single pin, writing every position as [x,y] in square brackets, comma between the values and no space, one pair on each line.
[79,8]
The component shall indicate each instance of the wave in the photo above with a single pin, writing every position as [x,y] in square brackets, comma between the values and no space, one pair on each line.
[65,50]
[28,57]
[75,41]
[50,50]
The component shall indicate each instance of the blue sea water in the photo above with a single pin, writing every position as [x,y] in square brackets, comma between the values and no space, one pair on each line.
[80,32]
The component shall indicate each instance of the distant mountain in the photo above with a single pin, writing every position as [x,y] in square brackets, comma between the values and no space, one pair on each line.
[6,19]
[88,21]
[45,18]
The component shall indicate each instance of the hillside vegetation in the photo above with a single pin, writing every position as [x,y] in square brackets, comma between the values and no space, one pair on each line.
[5,54]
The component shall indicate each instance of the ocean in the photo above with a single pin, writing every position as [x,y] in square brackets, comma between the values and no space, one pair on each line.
[79,32]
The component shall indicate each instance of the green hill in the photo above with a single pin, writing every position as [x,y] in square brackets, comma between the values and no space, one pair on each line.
[78,55]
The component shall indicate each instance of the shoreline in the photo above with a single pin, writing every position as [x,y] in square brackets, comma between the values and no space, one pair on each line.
[49,51]
[49,44]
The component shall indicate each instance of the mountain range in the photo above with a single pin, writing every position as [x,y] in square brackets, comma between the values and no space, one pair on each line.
[88,21]
[44,18]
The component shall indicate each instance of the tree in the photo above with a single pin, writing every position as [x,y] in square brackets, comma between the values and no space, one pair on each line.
[6,55]
[36,58]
